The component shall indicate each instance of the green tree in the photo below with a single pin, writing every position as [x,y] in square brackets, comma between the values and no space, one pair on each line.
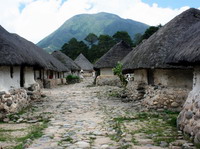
[123,35]
[137,38]
[74,47]
[105,42]
[91,38]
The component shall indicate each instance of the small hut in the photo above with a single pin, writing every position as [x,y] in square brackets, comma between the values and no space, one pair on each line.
[187,53]
[84,64]
[164,86]
[19,58]
[68,62]
[108,61]
[52,74]
[16,73]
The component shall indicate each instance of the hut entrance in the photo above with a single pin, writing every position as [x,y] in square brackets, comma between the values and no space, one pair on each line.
[150,77]
[22,80]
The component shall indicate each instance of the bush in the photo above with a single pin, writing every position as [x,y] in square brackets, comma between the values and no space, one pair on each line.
[118,71]
[71,79]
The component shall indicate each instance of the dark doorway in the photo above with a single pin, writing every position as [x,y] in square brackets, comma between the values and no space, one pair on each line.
[22,79]
[150,77]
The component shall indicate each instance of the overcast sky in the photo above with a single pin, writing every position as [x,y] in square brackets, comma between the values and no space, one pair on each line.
[35,19]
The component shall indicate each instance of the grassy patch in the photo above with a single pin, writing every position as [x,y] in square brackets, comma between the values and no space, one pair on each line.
[156,126]
[34,133]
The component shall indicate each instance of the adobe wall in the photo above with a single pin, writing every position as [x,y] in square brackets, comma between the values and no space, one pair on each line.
[174,77]
[106,72]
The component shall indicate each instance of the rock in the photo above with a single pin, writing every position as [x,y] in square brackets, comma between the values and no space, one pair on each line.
[29,93]
[43,95]
[163,144]
[197,138]
[189,114]
[83,145]
[105,146]
[6,120]
[9,102]
[2,93]
[7,95]
[174,105]
[186,146]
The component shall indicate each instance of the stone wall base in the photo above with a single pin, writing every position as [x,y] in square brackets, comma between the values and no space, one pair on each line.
[108,80]
[189,118]
[157,97]
[15,100]
[163,98]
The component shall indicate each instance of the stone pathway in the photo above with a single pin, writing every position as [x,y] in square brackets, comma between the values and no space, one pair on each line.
[82,116]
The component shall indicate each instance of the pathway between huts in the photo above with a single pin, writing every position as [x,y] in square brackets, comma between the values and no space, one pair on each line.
[81,116]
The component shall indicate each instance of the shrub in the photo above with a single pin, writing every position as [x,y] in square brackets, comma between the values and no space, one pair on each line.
[72,79]
[118,71]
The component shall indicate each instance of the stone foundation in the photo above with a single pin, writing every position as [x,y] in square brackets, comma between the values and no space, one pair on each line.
[163,98]
[16,99]
[189,118]
[108,80]
[50,83]
[157,97]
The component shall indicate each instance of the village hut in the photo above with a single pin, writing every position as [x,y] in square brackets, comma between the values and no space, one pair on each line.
[18,58]
[85,65]
[108,61]
[187,53]
[68,62]
[53,73]
[162,86]
[16,71]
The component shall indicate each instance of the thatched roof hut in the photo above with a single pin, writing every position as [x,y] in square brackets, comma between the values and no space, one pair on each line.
[84,63]
[67,61]
[16,50]
[114,55]
[153,52]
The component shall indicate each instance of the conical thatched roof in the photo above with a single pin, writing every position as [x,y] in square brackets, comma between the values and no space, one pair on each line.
[187,52]
[114,55]
[68,62]
[15,50]
[153,52]
[84,63]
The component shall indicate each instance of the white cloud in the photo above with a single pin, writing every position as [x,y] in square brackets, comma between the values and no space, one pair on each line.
[39,18]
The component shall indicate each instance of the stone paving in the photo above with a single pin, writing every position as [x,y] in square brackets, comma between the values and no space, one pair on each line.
[82,116]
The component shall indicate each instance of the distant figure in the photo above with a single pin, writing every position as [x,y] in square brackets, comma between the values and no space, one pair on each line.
[81,74]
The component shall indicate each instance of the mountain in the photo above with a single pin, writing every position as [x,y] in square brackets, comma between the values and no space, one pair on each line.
[81,25]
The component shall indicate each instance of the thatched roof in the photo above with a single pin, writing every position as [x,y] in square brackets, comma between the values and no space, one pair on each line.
[15,50]
[84,63]
[114,55]
[188,52]
[153,52]
[67,61]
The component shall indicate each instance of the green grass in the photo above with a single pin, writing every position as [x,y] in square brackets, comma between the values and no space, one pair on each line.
[156,126]
[34,133]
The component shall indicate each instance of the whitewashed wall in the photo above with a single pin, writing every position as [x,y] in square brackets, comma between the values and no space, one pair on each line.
[106,72]
[6,82]
[29,76]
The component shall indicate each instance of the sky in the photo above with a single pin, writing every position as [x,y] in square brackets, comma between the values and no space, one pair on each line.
[36,19]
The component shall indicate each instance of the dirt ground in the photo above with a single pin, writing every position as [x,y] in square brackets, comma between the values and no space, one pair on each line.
[82,116]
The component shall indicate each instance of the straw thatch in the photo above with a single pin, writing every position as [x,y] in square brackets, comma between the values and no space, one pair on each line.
[153,52]
[114,55]
[68,62]
[188,52]
[15,50]
[84,63]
